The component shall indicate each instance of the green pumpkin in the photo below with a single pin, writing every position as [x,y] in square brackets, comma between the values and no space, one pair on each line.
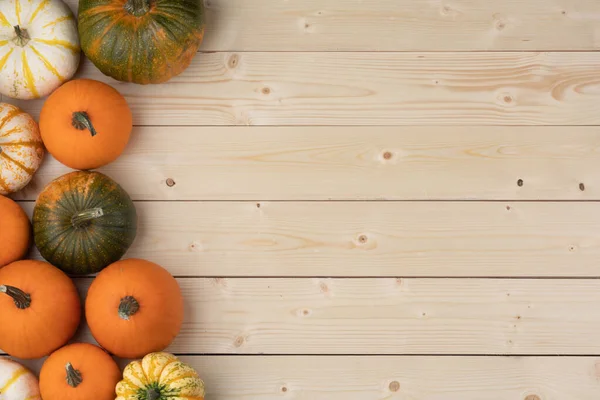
[83,221]
[141,41]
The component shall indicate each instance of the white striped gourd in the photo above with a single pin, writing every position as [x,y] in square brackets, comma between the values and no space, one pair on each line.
[17,382]
[39,47]
[21,148]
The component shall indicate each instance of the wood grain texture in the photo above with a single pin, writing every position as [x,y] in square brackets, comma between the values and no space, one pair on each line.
[403,378]
[369,239]
[400,25]
[370,89]
[353,163]
[369,316]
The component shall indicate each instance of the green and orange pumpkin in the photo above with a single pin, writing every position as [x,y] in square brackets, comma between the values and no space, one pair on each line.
[141,41]
[83,221]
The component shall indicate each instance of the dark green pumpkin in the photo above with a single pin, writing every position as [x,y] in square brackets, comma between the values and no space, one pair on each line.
[83,221]
[141,41]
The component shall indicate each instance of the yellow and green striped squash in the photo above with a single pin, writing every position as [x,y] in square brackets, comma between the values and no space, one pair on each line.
[160,376]
[39,47]
[141,41]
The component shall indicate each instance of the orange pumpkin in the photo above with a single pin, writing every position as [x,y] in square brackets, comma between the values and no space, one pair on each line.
[15,232]
[39,309]
[79,371]
[134,307]
[85,124]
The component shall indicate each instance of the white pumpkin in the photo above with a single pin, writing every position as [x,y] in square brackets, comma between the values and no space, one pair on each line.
[21,148]
[39,47]
[17,382]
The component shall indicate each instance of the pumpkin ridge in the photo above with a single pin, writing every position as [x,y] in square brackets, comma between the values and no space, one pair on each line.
[58,42]
[47,63]
[17,163]
[12,113]
[3,20]
[5,58]
[165,367]
[12,380]
[39,8]
[28,143]
[28,75]
[16,129]
[18,11]
[58,20]
[188,375]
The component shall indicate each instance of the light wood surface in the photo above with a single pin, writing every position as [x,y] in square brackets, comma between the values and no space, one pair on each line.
[414,215]
[399,25]
[404,378]
[402,316]
[293,88]
[353,163]
[382,239]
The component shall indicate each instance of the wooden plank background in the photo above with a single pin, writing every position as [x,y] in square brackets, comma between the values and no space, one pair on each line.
[393,199]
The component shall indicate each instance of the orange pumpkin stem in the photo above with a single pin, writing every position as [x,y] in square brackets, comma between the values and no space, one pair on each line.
[137,7]
[81,121]
[128,307]
[74,377]
[22,300]
[22,36]
[84,217]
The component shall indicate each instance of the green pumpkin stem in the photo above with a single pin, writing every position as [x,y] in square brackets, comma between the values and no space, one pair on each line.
[137,7]
[74,377]
[22,36]
[128,307]
[81,120]
[153,394]
[83,218]
[22,300]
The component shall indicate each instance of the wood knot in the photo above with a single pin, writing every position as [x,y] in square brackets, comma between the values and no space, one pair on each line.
[520,182]
[207,3]
[170,182]
[195,246]
[532,397]
[508,99]
[581,187]
[572,248]
[507,208]
[284,389]
[233,61]
[266,91]
[257,205]
[387,155]
[563,12]
[500,25]
[239,341]
[394,386]
[324,288]
[362,239]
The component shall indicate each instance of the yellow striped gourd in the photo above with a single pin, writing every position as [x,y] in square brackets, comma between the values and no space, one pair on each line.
[39,47]
[160,376]
[17,382]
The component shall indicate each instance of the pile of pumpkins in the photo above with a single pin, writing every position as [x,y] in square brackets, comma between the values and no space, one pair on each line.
[84,222]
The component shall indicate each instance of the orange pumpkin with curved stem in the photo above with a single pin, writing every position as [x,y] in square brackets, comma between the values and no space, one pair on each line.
[134,307]
[85,124]
[79,371]
[40,306]
[15,232]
